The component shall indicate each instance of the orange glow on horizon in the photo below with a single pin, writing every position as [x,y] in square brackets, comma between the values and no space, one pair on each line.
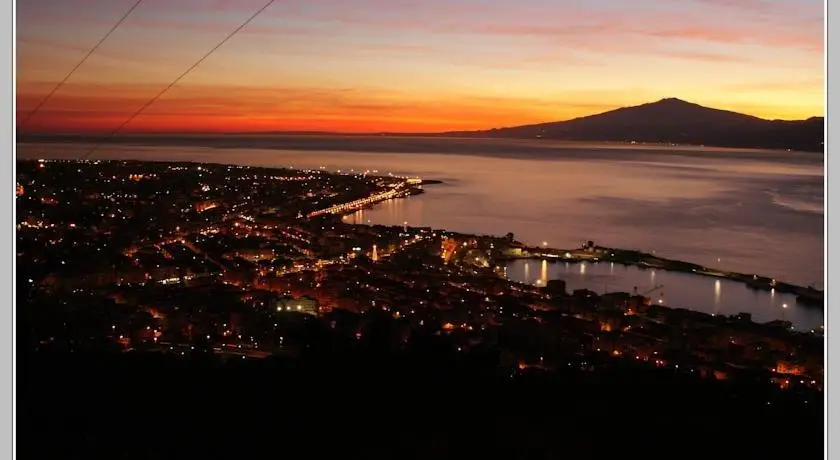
[94,113]
[381,66]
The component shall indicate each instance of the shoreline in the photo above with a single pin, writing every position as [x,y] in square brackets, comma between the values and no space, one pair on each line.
[169,139]
[499,244]
[410,189]
[808,297]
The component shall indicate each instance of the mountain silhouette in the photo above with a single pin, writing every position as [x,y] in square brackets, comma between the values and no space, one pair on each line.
[667,121]
[674,121]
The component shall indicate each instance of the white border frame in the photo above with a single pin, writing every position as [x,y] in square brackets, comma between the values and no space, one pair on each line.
[7,204]
[832,272]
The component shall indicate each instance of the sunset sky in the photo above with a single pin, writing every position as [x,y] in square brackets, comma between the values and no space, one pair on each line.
[411,66]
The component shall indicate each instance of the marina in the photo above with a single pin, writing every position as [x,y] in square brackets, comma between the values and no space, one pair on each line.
[715,296]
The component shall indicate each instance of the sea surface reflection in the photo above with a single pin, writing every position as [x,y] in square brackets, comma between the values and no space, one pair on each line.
[674,289]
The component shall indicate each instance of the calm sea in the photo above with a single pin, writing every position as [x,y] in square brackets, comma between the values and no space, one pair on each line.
[748,211]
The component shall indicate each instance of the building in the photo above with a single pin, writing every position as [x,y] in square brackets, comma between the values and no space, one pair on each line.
[303,304]
[556,287]
[449,246]
[253,254]
[790,368]
[205,205]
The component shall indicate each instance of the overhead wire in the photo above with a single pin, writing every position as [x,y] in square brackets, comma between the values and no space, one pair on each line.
[176,81]
[79,64]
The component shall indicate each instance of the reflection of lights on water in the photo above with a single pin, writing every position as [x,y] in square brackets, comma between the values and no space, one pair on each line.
[717,297]
[527,271]
[612,265]
[544,272]
[653,276]
[582,268]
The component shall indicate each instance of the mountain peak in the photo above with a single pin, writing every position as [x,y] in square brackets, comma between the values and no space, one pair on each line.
[670,111]
[672,101]
[667,106]
[675,121]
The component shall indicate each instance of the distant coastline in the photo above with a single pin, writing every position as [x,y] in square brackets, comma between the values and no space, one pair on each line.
[338,142]
[669,122]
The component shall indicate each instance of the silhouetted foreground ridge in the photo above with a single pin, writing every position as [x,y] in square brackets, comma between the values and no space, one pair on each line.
[422,403]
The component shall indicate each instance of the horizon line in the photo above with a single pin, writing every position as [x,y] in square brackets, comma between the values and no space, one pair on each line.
[392,133]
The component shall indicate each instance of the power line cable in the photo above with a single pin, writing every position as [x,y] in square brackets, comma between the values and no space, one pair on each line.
[79,64]
[175,82]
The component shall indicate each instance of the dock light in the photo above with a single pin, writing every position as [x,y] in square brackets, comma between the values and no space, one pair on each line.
[545,243]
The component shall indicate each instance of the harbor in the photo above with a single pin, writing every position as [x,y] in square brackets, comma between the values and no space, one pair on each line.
[713,296]
[589,252]
[663,282]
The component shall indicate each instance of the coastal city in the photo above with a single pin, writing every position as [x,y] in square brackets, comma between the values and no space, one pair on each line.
[419,230]
[238,263]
